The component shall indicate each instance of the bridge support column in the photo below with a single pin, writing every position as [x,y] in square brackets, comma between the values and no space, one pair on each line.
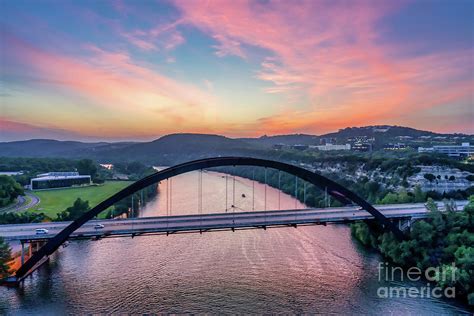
[22,253]
[35,246]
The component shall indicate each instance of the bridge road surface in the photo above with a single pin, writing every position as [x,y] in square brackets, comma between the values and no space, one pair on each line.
[220,221]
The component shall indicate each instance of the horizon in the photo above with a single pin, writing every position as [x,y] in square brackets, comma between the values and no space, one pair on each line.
[124,140]
[123,71]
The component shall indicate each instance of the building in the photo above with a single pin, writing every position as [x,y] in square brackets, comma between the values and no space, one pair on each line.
[395,146]
[362,147]
[328,147]
[463,150]
[52,180]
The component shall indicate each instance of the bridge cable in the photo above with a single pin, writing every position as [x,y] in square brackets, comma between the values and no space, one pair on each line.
[200,196]
[265,196]
[265,192]
[296,194]
[279,190]
[171,195]
[253,189]
[226,194]
[296,191]
[233,198]
[132,215]
[326,197]
[167,204]
[304,193]
[167,197]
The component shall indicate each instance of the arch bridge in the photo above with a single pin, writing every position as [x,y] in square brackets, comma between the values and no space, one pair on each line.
[334,189]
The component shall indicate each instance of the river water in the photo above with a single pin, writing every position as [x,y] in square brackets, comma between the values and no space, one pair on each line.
[312,269]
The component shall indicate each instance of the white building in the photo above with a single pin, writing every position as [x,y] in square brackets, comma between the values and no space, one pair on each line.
[463,150]
[59,180]
[328,147]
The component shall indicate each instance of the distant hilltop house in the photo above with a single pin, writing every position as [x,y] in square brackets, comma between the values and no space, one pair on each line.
[463,150]
[52,180]
[328,147]
[395,146]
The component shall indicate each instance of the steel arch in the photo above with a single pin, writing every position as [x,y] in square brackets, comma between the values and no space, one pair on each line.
[334,189]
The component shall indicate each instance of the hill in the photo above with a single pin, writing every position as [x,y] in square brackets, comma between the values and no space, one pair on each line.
[380,131]
[44,148]
[174,148]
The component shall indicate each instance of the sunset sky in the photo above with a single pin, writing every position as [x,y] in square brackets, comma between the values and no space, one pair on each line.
[136,70]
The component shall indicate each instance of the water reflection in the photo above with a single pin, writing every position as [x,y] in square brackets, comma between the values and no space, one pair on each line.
[311,269]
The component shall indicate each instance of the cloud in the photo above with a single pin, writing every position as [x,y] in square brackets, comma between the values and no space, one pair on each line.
[227,46]
[160,37]
[12,130]
[328,58]
[112,80]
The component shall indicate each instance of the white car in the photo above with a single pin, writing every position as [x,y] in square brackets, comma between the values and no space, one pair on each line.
[41,231]
[99,226]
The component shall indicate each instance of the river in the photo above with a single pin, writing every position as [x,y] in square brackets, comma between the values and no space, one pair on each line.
[312,269]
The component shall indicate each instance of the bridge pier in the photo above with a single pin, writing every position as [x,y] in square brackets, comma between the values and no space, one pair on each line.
[404,224]
[22,253]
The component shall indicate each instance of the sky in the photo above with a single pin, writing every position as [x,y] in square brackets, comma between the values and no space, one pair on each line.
[136,70]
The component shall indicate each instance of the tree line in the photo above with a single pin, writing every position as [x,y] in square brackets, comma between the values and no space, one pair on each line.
[438,241]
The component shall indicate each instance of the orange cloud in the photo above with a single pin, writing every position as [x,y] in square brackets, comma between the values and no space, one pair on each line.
[112,80]
[326,58]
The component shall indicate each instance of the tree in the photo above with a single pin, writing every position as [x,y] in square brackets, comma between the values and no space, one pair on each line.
[403,196]
[469,210]
[431,205]
[75,211]
[390,198]
[9,190]
[429,176]
[423,233]
[5,258]
[420,196]
[87,167]
[450,205]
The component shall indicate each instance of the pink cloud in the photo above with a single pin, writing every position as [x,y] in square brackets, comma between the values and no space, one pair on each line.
[227,47]
[328,53]
[13,130]
[163,36]
[112,80]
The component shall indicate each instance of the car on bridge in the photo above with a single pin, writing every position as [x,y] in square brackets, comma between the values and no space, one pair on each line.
[41,231]
[99,226]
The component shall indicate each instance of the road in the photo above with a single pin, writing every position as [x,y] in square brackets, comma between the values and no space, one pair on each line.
[206,222]
[22,203]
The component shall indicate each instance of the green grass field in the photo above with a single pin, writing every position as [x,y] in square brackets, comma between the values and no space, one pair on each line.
[57,200]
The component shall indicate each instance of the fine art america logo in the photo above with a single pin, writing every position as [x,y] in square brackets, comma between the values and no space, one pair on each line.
[436,275]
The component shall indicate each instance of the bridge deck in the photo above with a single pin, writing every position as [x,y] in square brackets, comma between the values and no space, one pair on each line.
[208,222]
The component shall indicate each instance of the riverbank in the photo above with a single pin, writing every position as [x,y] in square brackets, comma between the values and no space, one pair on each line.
[442,243]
